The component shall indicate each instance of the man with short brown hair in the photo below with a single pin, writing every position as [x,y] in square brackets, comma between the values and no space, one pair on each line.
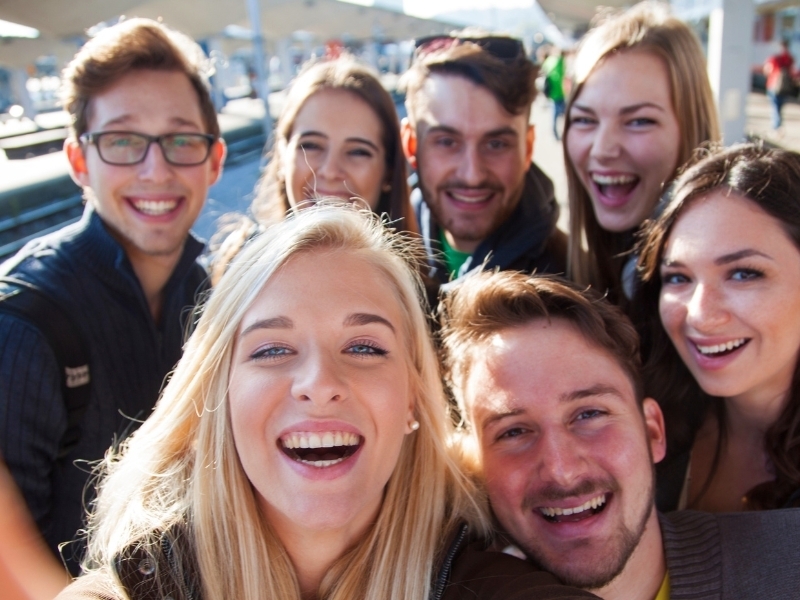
[547,376]
[467,134]
[145,147]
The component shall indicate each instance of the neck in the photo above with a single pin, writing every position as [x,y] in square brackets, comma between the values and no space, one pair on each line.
[642,575]
[153,272]
[754,413]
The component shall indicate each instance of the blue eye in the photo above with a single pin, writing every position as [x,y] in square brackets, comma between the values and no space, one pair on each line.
[366,349]
[746,274]
[673,278]
[271,352]
[591,413]
[514,432]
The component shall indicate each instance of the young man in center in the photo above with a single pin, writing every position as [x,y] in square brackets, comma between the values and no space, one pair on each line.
[469,138]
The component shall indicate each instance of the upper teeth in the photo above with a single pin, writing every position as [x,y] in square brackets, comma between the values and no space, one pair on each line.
[327,439]
[613,179]
[721,347]
[593,503]
[155,207]
[471,199]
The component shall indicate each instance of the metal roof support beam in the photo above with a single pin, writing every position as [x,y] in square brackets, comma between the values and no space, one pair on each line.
[730,36]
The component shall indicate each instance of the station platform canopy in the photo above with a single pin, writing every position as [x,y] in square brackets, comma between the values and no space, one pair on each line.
[60,24]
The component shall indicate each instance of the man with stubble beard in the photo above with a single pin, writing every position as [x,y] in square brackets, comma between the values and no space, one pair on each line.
[548,379]
[468,136]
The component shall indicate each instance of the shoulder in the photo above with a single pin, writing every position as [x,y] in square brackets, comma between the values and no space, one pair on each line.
[98,585]
[472,571]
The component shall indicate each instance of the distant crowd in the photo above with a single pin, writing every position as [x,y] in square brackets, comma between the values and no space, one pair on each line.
[395,377]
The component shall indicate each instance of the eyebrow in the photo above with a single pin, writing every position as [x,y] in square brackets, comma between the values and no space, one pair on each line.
[356,319]
[725,259]
[127,118]
[625,110]
[273,323]
[500,416]
[357,139]
[599,389]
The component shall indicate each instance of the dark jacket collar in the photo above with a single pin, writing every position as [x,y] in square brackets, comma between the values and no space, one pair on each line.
[524,233]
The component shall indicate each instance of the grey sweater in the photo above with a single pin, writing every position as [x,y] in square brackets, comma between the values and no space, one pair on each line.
[738,556]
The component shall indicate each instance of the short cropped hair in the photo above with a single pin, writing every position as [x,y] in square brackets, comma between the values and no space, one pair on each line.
[489,302]
[511,82]
[133,44]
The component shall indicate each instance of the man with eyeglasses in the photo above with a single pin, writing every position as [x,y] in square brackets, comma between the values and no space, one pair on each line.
[145,147]
[468,135]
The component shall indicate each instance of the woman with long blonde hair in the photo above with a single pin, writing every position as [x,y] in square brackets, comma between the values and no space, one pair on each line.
[300,449]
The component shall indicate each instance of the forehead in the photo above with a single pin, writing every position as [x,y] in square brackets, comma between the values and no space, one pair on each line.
[459,104]
[147,99]
[340,112]
[721,223]
[318,284]
[625,78]
[534,367]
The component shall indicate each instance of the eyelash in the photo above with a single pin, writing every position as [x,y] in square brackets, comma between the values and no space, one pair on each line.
[374,349]
[263,353]
[750,273]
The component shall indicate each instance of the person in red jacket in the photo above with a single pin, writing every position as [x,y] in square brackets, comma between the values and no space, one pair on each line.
[778,70]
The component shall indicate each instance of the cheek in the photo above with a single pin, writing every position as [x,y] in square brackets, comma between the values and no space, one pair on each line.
[671,311]
[506,479]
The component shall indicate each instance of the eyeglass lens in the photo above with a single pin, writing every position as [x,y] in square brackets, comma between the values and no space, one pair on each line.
[125,148]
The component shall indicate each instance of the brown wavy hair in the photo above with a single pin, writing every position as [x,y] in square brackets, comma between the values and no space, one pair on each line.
[771,179]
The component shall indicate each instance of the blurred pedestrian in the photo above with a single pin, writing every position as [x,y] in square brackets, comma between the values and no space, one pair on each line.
[780,82]
[553,71]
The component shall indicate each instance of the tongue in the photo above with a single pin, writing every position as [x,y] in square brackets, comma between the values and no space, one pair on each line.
[574,517]
[617,191]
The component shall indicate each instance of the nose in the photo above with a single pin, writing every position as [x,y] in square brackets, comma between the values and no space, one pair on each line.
[319,380]
[155,167]
[606,143]
[561,459]
[470,166]
[331,167]
[705,309]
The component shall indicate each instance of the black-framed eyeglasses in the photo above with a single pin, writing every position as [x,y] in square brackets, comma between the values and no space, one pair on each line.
[130,148]
[499,46]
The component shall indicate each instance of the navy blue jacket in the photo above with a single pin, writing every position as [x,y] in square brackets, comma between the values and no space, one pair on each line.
[87,272]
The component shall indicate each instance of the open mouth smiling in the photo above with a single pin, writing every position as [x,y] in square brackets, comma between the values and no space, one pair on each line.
[614,186]
[591,507]
[154,208]
[321,449]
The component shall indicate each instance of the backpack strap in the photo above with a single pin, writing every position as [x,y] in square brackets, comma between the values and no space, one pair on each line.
[30,303]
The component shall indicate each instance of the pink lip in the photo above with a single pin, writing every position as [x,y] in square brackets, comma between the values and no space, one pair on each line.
[317,473]
[313,426]
[714,363]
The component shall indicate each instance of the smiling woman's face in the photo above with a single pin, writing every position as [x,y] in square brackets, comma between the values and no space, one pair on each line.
[730,297]
[335,149]
[319,393]
[623,139]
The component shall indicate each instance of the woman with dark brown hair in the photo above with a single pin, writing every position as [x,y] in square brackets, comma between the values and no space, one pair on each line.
[721,268]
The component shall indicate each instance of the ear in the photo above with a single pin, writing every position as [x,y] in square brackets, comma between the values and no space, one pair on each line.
[530,137]
[77,162]
[217,158]
[654,426]
[408,137]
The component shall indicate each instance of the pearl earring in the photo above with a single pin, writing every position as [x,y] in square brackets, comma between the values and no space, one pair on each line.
[414,425]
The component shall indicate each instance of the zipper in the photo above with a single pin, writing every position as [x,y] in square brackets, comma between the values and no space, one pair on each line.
[447,563]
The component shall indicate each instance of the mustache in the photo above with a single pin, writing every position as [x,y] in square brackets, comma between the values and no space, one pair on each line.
[552,492]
